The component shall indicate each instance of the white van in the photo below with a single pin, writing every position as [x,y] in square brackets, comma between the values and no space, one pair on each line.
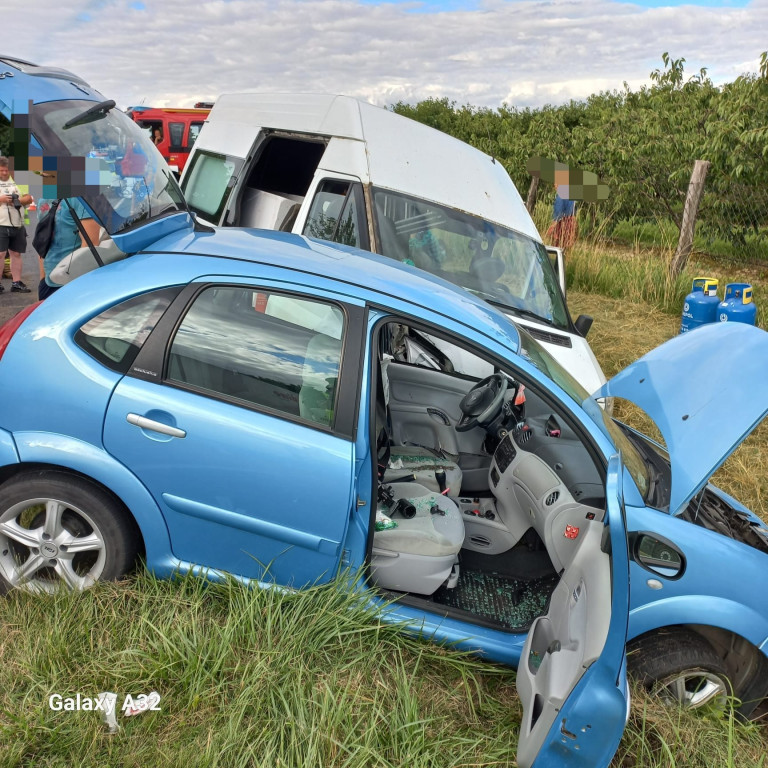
[339,169]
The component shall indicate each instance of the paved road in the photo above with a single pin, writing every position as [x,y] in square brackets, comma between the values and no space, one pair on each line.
[11,303]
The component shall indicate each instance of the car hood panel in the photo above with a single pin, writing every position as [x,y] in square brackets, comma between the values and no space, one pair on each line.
[706,390]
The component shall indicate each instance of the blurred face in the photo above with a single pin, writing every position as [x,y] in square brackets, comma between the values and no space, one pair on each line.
[5,173]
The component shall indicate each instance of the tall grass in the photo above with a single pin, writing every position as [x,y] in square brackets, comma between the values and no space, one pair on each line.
[268,678]
[247,677]
[642,276]
[620,274]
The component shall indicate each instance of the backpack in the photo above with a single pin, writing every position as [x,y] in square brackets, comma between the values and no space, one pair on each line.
[44,231]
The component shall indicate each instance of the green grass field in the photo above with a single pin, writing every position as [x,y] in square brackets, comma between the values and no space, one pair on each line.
[265,678]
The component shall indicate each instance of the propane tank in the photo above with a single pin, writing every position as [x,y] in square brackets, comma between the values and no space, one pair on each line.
[737,305]
[700,306]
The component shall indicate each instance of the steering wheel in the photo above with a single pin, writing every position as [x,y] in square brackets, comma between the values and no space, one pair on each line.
[483,402]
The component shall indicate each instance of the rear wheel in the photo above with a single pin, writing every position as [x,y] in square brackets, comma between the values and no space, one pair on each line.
[58,530]
[680,667]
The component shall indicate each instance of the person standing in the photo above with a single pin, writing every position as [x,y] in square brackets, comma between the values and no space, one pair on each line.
[13,234]
[66,236]
[562,232]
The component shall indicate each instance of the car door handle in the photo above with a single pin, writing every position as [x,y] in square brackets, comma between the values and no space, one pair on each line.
[154,426]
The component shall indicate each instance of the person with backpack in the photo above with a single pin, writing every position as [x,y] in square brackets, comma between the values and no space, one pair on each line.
[13,233]
[57,237]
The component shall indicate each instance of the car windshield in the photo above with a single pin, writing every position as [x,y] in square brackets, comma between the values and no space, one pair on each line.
[497,264]
[633,460]
[125,180]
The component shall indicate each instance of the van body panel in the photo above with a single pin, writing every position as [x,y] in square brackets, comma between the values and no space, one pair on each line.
[348,157]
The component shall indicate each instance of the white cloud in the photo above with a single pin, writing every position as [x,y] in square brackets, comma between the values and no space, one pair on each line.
[524,52]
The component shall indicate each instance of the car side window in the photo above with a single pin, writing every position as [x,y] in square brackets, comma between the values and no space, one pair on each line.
[338,214]
[207,183]
[278,352]
[115,336]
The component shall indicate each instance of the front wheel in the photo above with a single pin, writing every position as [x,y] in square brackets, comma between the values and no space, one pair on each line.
[58,530]
[680,667]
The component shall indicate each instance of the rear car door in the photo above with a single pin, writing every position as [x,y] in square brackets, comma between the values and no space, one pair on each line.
[238,416]
[572,673]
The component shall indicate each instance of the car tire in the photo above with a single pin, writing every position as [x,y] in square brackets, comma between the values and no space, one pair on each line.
[58,529]
[680,667]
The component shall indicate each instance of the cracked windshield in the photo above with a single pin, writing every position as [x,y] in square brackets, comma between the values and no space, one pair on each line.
[127,181]
[497,264]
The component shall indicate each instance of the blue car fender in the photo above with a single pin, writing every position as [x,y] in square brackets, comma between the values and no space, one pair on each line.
[68,453]
[700,609]
[8,453]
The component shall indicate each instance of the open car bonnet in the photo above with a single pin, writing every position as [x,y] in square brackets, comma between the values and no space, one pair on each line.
[706,391]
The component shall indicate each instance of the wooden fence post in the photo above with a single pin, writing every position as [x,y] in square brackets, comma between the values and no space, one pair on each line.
[688,225]
[533,191]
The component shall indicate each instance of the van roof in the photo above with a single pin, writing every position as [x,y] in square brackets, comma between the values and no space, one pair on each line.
[402,154]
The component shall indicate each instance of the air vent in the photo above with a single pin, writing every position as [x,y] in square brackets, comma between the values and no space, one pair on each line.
[523,436]
[552,498]
[480,541]
[552,338]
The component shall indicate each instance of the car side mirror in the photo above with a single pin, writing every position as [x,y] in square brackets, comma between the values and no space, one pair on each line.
[583,324]
[658,556]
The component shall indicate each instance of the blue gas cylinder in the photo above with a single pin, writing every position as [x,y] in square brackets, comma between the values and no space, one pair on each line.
[737,305]
[700,306]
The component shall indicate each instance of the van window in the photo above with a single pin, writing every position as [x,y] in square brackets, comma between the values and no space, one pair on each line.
[207,183]
[176,132]
[194,132]
[338,214]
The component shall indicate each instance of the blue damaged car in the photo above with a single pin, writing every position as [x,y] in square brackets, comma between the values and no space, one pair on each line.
[280,409]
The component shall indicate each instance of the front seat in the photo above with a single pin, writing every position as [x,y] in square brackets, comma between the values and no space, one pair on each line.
[421,553]
[396,461]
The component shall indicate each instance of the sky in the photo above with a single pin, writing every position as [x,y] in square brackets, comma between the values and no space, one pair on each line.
[522,53]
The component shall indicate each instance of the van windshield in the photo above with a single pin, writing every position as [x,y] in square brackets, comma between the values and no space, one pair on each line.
[124,179]
[502,266]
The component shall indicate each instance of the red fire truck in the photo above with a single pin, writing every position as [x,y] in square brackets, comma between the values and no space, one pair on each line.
[173,130]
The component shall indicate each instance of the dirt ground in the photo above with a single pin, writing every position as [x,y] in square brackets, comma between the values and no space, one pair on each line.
[11,303]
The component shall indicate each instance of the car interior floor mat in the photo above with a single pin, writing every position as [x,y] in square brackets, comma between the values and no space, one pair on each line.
[520,563]
[511,603]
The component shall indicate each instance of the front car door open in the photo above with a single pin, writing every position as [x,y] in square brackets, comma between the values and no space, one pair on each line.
[572,673]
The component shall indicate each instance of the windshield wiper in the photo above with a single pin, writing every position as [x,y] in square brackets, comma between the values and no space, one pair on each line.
[96,112]
[518,310]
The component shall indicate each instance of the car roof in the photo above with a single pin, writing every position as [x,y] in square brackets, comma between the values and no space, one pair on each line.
[40,84]
[361,273]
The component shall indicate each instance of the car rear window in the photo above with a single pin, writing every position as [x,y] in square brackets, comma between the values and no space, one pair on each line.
[115,336]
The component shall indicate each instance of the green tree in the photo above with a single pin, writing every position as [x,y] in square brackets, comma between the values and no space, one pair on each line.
[737,145]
